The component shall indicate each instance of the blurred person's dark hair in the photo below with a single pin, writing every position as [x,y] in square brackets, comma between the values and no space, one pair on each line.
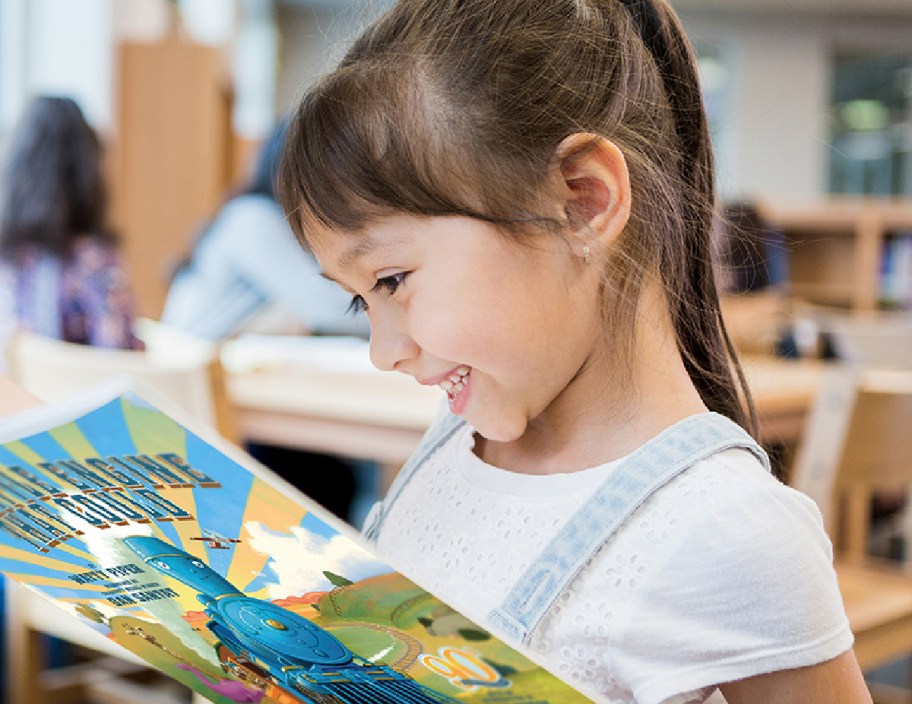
[265,173]
[53,188]
[753,253]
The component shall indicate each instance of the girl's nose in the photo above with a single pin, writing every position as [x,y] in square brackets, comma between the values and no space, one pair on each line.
[391,349]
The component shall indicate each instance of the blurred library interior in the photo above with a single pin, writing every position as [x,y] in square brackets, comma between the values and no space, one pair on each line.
[806,100]
[810,109]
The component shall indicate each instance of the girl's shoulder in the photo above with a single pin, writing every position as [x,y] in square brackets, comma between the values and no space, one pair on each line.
[724,515]
[722,574]
[727,514]
[733,492]
[738,476]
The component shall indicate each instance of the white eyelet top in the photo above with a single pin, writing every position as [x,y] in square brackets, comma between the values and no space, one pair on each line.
[722,574]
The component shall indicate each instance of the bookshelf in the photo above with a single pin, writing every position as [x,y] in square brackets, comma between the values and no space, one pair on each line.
[839,247]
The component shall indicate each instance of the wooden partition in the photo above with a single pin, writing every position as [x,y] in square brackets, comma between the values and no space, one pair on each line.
[172,155]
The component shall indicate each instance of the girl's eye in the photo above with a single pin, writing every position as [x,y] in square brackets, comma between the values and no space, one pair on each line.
[387,284]
[390,283]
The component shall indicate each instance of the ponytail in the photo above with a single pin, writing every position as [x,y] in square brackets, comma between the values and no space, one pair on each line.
[708,352]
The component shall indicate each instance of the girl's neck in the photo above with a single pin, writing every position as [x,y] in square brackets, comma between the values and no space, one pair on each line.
[601,417]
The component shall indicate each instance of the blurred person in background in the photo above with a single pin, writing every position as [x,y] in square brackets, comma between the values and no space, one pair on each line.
[246,272]
[61,274]
[753,250]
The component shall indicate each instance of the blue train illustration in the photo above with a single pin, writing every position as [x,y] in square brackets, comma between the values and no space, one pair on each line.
[296,655]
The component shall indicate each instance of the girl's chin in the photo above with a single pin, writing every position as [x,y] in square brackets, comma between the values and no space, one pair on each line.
[498,432]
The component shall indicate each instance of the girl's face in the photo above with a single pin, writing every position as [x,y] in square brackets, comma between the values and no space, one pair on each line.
[511,331]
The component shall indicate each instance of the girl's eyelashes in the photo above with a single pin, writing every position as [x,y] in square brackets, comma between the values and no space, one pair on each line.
[388,284]
[357,305]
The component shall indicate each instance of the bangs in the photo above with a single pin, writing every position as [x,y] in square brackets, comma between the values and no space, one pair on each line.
[359,148]
[374,140]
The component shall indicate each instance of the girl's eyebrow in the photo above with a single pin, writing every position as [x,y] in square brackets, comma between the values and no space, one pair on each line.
[365,246]
[348,258]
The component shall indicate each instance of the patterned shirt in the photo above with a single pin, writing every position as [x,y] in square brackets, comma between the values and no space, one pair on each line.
[84,298]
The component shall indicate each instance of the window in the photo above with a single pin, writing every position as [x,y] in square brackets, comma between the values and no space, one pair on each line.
[871,125]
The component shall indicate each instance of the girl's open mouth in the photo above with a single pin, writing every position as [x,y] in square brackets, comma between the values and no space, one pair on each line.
[454,385]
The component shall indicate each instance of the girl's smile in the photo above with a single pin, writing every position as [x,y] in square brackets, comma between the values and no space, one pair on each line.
[455,384]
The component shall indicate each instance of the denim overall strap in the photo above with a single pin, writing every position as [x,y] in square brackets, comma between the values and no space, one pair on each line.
[436,436]
[633,481]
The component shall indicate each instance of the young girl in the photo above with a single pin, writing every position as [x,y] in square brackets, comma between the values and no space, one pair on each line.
[519,193]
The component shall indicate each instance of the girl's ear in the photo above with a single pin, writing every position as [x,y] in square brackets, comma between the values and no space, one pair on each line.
[595,185]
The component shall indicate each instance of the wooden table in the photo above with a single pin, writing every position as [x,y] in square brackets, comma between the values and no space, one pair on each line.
[373,416]
[783,391]
[878,603]
[381,416]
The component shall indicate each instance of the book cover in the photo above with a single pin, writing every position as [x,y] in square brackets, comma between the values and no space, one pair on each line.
[193,557]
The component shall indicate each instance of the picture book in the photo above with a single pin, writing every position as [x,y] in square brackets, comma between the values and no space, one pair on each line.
[186,552]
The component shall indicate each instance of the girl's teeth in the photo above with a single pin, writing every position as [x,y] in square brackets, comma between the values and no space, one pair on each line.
[456,382]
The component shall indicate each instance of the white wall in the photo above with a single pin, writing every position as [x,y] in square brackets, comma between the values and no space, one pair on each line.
[254,69]
[313,37]
[776,118]
[39,42]
[12,61]
[68,47]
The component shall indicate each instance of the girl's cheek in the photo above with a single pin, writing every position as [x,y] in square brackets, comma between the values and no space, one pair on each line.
[431,333]
[434,327]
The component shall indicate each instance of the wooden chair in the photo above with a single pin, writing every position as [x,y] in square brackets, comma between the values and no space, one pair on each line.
[872,340]
[51,370]
[858,441]
[189,376]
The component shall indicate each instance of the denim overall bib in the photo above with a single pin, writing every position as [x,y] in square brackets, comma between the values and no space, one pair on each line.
[636,478]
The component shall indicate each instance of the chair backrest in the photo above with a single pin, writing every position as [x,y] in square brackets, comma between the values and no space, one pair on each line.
[51,370]
[882,340]
[857,442]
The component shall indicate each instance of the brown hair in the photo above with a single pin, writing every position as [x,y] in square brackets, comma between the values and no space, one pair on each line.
[456,107]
